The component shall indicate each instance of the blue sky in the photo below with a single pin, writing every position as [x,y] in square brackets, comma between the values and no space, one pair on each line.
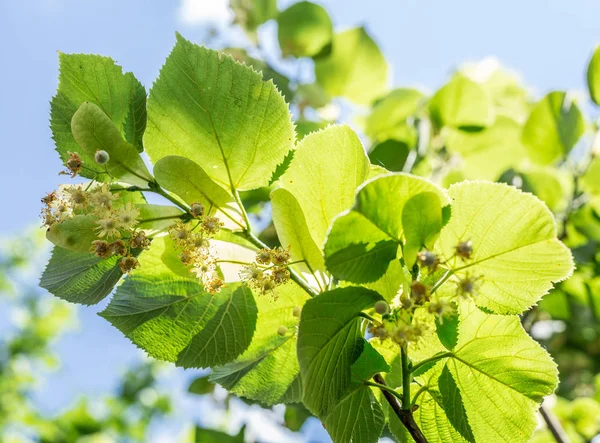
[548,42]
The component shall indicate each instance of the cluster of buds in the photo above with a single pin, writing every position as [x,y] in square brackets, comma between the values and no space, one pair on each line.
[399,330]
[195,247]
[269,271]
[115,226]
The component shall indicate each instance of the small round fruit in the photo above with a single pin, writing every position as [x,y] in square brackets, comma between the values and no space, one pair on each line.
[101,157]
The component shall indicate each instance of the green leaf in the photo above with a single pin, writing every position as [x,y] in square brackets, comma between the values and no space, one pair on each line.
[321,189]
[293,232]
[96,79]
[590,181]
[368,364]
[391,154]
[79,277]
[201,386]
[94,131]
[593,76]
[422,222]
[173,319]
[135,121]
[551,185]
[157,218]
[355,68]
[554,126]
[357,250]
[219,114]
[358,417]
[267,369]
[461,103]
[75,234]
[516,255]
[486,154]
[304,29]
[268,71]
[502,375]
[202,435]
[391,113]
[250,14]
[186,179]
[363,241]
[329,342]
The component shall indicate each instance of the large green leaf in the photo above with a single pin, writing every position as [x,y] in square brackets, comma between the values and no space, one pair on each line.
[355,68]
[220,114]
[357,418]
[593,76]
[486,154]
[157,218]
[94,131]
[293,232]
[554,126]
[329,342]
[80,277]
[327,168]
[502,375]
[389,115]
[304,29]
[461,103]
[266,370]
[516,255]
[422,221]
[363,241]
[96,79]
[173,319]
[188,180]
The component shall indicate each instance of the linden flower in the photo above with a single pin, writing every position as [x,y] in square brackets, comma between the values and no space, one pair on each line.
[62,210]
[251,273]
[263,256]
[197,210]
[49,198]
[180,232]
[108,227]
[211,225]
[73,164]
[127,216]
[48,219]
[440,308]
[102,198]
[280,275]
[214,285]
[100,248]
[128,264]
[139,240]
[77,196]
[280,256]
[118,247]
[198,241]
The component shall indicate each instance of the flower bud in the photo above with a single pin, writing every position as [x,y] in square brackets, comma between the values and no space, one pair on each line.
[197,210]
[297,311]
[282,330]
[382,308]
[101,157]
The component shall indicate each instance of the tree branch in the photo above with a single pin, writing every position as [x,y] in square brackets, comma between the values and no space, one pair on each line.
[554,426]
[405,416]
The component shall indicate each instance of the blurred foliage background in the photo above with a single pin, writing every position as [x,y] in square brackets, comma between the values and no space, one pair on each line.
[484,123]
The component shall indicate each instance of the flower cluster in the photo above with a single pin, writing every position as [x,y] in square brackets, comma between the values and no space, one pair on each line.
[193,240]
[269,271]
[115,225]
[399,330]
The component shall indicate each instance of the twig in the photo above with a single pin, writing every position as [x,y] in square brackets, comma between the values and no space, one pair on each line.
[405,416]
[554,426]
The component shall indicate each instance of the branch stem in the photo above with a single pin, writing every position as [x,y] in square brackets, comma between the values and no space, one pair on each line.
[554,426]
[405,416]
